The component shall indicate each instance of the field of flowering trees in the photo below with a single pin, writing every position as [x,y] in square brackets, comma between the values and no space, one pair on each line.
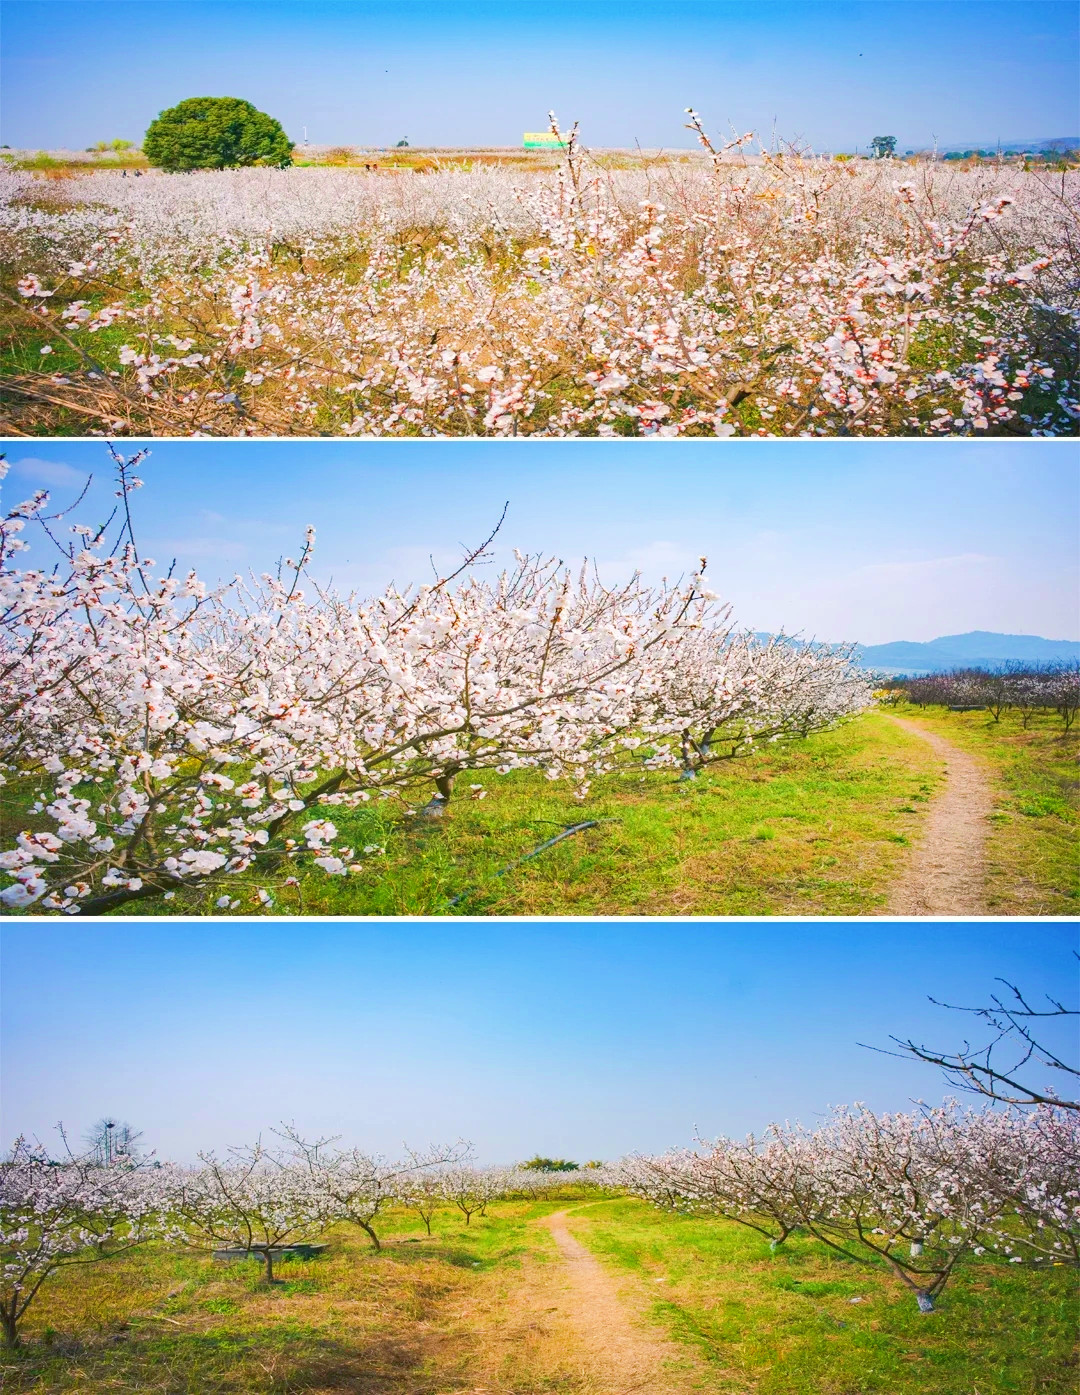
[1029,691]
[944,1222]
[724,295]
[160,736]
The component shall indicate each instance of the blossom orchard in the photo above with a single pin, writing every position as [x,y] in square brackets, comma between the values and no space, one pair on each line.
[359,1186]
[1023,688]
[176,736]
[254,1200]
[773,294]
[912,1194]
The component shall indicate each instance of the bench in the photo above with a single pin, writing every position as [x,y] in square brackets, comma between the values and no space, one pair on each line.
[299,1251]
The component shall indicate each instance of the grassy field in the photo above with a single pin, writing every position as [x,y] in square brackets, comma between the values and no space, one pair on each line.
[419,1317]
[422,159]
[784,1324]
[483,1310]
[819,827]
[1034,843]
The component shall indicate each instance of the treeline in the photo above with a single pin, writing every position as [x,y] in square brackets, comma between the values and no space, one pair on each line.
[1028,689]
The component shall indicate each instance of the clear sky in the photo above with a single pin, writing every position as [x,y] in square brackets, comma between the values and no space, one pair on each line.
[580,1041]
[460,72]
[869,542]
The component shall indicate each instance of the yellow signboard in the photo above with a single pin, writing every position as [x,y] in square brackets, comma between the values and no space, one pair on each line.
[542,140]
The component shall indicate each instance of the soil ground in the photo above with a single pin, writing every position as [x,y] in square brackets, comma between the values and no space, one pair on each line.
[947,871]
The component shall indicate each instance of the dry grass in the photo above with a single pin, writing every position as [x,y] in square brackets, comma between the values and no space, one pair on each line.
[419,1318]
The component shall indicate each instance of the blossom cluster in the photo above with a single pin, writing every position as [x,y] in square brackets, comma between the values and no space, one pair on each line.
[174,735]
[780,295]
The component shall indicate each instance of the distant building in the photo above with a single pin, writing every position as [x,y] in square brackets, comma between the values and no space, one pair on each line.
[542,140]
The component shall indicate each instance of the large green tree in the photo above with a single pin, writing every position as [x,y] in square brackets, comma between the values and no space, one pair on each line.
[214,133]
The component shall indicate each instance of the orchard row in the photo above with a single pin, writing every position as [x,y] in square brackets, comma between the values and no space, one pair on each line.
[912,1194]
[165,734]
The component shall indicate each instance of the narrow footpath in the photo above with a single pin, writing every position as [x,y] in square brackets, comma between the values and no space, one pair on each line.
[621,1355]
[946,874]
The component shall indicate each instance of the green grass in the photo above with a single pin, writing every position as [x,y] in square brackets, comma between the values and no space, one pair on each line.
[20,351]
[817,827]
[460,1312]
[1034,844]
[783,1323]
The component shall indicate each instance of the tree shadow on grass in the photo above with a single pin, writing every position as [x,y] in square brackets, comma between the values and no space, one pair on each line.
[270,1361]
[422,1249]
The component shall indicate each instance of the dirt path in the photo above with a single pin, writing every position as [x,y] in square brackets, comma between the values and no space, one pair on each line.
[621,1356]
[947,872]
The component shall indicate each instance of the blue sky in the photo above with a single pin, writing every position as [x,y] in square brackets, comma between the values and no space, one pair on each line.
[579,1040]
[447,72]
[843,541]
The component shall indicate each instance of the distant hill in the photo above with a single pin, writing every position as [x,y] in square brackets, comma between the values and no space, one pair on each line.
[977,649]
[1043,143]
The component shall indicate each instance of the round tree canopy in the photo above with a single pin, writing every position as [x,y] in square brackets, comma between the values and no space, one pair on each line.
[213,133]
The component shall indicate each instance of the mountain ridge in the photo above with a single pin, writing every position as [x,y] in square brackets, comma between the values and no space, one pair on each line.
[974,649]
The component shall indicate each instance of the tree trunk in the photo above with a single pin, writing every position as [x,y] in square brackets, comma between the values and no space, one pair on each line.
[925,1302]
[370,1234]
[268,1257]
[427,1223]
[10,1325]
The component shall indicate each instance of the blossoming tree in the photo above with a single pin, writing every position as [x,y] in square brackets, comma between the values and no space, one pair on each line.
[61,1211]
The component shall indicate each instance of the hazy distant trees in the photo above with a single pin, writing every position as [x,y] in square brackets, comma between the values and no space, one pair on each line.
[1028,689]
[111,1141]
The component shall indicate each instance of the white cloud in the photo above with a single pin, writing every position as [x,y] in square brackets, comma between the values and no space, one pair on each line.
[48,472]
[930,567]
[192,549]
[653,559]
